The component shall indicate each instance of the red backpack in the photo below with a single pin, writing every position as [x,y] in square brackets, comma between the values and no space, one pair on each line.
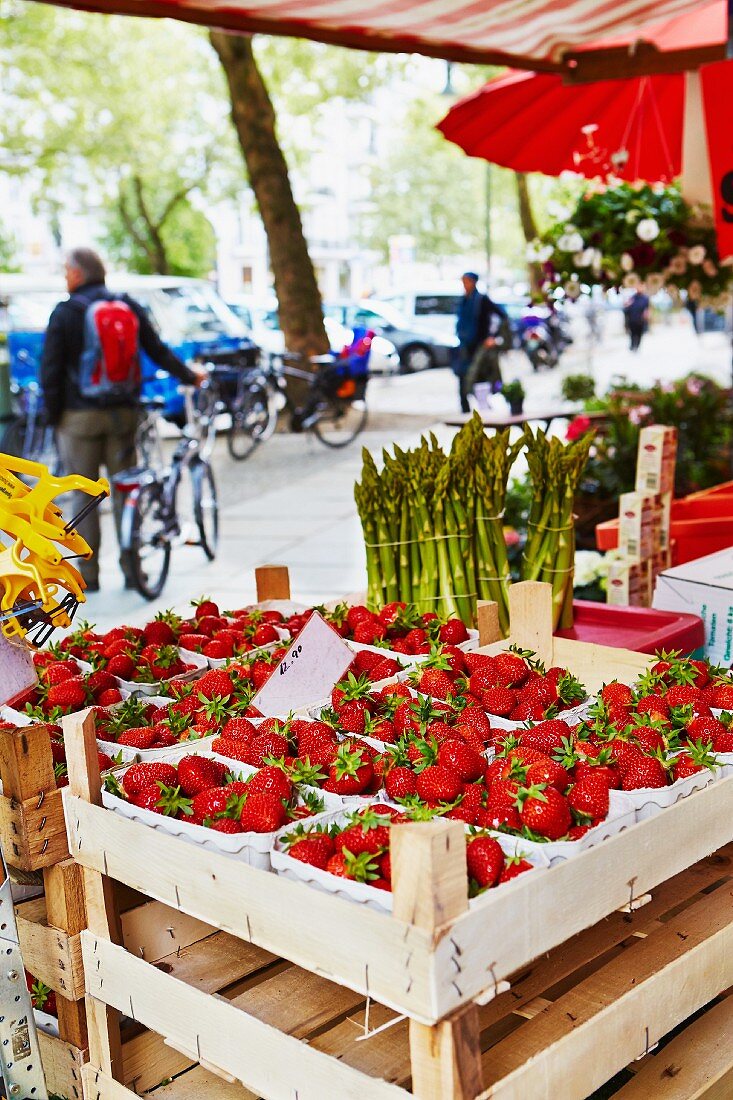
[110,359]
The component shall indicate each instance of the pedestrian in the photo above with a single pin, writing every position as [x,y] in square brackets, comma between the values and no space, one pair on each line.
[483,331]
[90,378]
[636,315]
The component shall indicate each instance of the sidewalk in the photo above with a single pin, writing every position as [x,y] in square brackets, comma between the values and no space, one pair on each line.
[292,501]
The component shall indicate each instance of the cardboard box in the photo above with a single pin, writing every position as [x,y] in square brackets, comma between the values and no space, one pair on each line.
[656,459]
[638,519]
[703,587]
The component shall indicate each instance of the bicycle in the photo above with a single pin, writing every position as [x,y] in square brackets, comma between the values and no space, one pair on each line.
[30,435]
[334,408]
[153,519]
[243,394]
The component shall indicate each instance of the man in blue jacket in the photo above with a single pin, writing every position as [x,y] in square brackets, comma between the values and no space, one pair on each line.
[96,419]
[483,331]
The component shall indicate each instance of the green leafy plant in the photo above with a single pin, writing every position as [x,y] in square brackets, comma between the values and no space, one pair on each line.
[578,387]
[623,234]
[513,391]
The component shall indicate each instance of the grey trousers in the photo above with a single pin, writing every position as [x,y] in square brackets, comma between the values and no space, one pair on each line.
[89,440]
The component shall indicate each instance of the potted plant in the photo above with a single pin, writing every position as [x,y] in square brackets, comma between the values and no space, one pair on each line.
[514,394]
[578,387]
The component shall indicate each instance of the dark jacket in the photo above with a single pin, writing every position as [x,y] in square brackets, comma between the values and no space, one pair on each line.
[63,347]
[479,318]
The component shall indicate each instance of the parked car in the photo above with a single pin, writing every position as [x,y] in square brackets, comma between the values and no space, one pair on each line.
[418,347]
[431,309]
[262,320]
[189,314]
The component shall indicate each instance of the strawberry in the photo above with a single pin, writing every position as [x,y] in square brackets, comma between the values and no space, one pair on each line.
[438,784]
[453,632]
[547,736]
[511,671]
[217,683]
[310,846]
[265,746]
[140,737]
[400,782]
[485,861]
[704,729]
[218,650]
[60,671]
[263,813]
[550,772]
[460,758]
[69,695]
[110,697]
[369,834]
[225,825]
[722,696]
[239,729]
[680,695]
[645,771]
[198,773]
[696,759]
[141,775]
[121,665]
[194,643]
[235,750]
[588,798]
[499,700]
[272,780]
[617,694]
[514,866]
[351,772]
[498,817]
[352,716]
[369,631]
[544,810]
[204,606]
[652,704]
[436,682]
[357,614]
[159,632]
[362,868]
[318,744]
[215,802]
[265,634]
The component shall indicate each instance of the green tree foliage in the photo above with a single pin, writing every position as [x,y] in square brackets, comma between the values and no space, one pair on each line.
[125,114]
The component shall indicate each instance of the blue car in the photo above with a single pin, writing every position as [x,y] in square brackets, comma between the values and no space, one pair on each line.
[188,314]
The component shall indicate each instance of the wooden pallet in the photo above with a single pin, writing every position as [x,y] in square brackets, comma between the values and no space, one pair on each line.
[591,988]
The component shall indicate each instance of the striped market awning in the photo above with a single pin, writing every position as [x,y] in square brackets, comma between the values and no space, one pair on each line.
[536,34]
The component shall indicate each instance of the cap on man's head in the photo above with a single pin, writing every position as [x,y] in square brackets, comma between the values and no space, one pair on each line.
[470,275]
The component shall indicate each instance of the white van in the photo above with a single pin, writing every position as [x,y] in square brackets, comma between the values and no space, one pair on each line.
[433,309]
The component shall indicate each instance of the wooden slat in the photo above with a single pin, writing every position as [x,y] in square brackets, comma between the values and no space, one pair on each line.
[101,1086]
[26,763]
[273,582]
[198,1084]
[577,952]
[530,616]
[33,833]
[386,1054]
[62,1066]
[527,918]
[591,1032]
[430,875]
[153,931]
[52,956]
[697,1063]
[360,948]
[219,1033]
[66,911]
[312,1002]
[146,1061]
[487,621]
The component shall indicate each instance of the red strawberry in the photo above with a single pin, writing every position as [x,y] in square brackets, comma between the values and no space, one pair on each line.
[266,745]
[193,642]
[498,817]
[142,775]
[550,772]
[460,758]
[272,780]
[215,684]
[263,813]
[616,694]
[438,784]
[485,860]
[514,866]
[453,632]
[238,729]
[351,772]
[141,737]
[205,606]
[313,847]
[198,773]
[437,683]
[588,798]
[159,633]
[121,665]
[225,825]
[69,695]
[499,700]
[400,782]
[645,771]
[511,671]
[216,801]
[544,810]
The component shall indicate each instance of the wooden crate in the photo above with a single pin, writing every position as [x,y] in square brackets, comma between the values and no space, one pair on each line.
[592,988]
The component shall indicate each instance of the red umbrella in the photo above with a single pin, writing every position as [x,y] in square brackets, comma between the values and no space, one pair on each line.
[535,123]
[650,128]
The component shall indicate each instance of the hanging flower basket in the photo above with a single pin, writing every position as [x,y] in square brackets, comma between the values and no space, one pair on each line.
[622,234]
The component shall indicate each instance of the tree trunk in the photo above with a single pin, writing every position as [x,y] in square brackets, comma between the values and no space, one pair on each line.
[301,316]
[529,226]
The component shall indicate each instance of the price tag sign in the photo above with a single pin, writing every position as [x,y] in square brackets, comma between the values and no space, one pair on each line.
[310,669]
[17,671]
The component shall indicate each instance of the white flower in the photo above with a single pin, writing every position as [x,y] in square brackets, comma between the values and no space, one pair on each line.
[632,216]
[587,564]
[647,229]
[627,262]
[696,254]
[530,253]
[544,253]
[570,241]
[557,211]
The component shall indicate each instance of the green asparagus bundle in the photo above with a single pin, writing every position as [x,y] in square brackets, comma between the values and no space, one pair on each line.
[555,470]
[433,523]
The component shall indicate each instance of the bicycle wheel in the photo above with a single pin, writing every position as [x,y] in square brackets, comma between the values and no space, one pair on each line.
[37,443]
[148,556]
[254,417]
[337,423]
[206,508]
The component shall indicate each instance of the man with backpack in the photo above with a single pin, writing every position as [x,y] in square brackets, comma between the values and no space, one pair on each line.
[90,377]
